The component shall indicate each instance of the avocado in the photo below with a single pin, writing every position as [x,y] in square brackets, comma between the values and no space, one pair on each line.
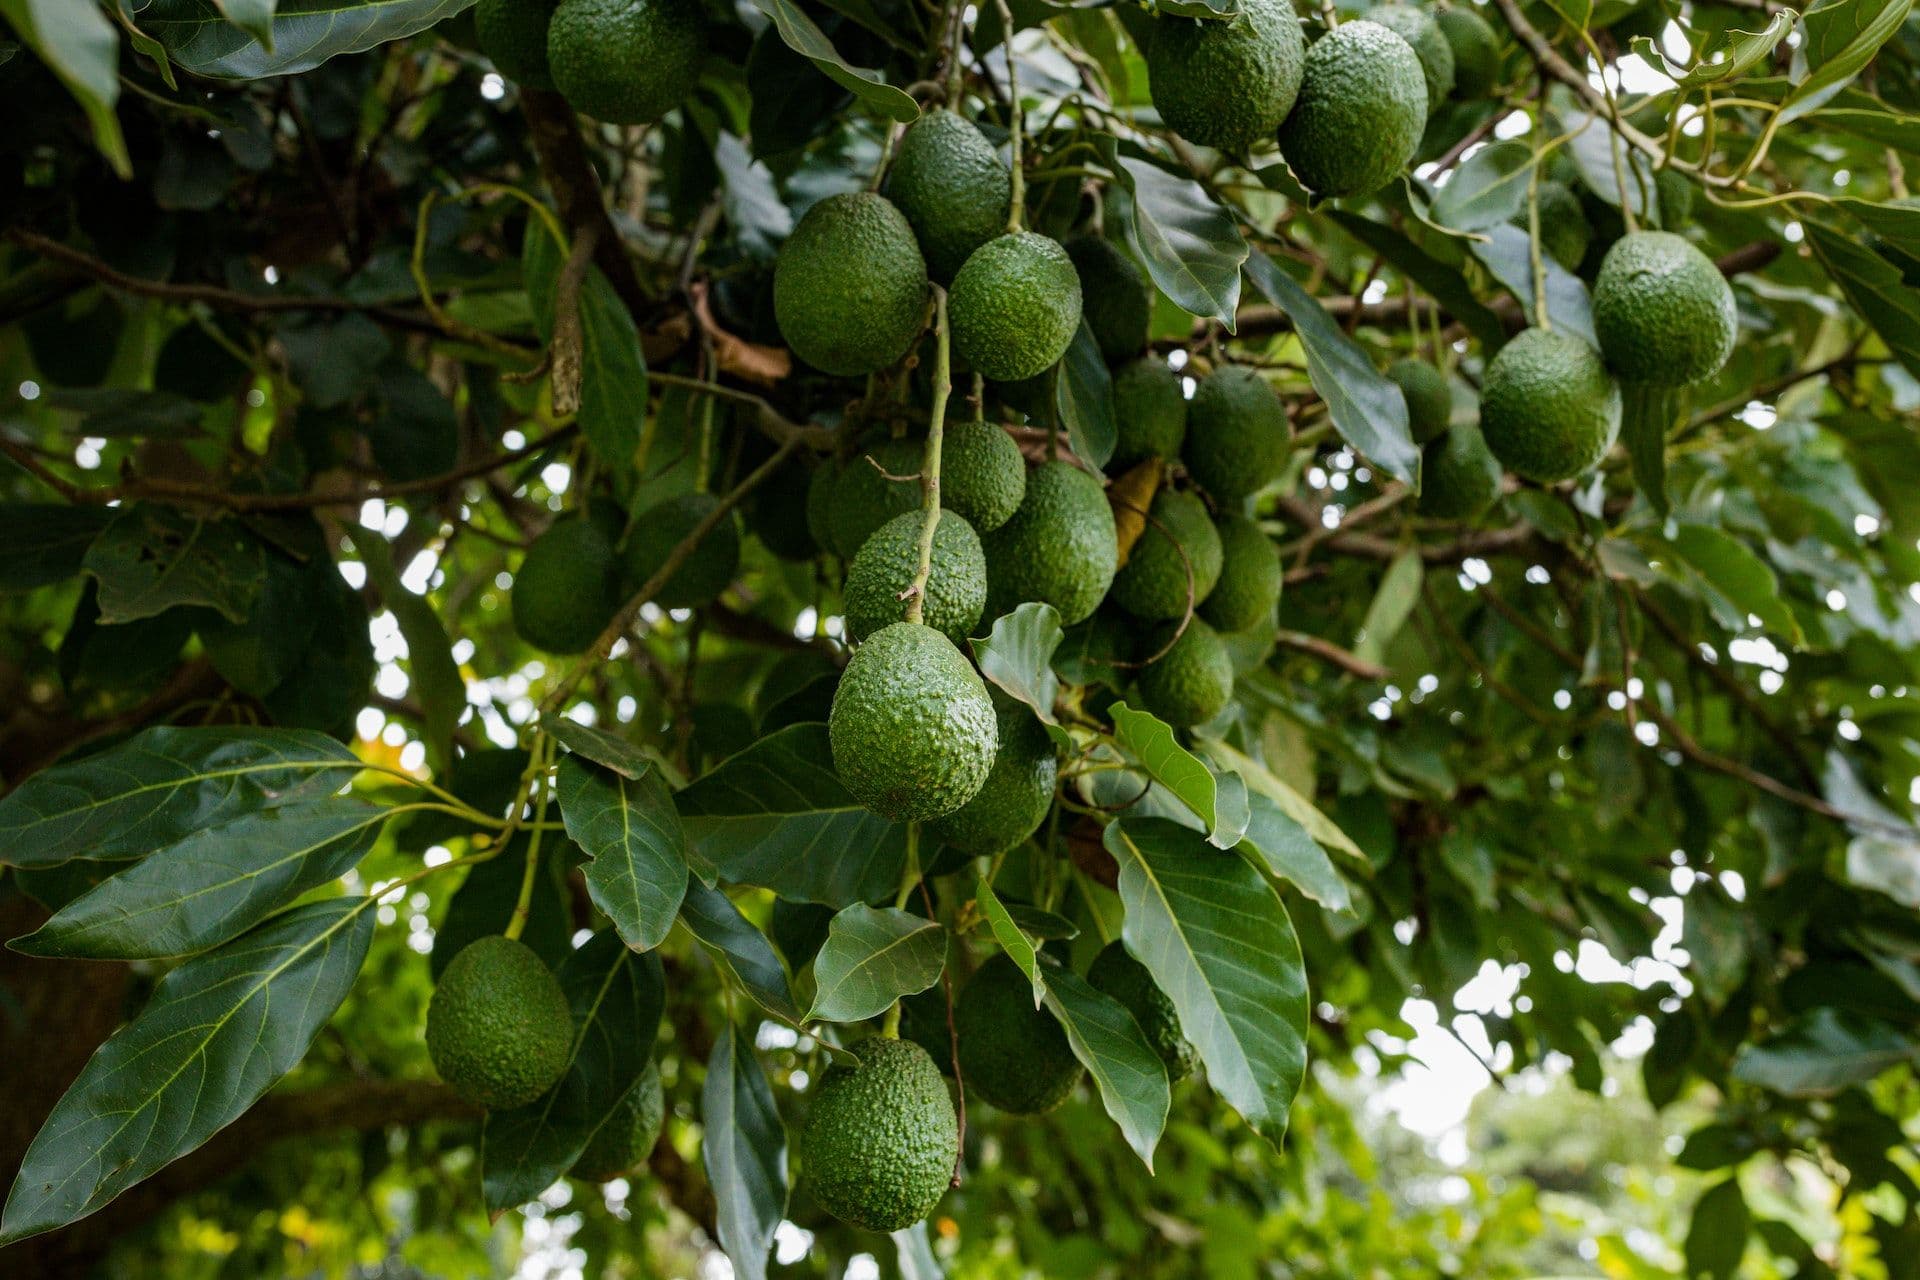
[866,496]
[912,727]
[1459,476]
[820,507]
[1114,296]
[1429,397]
[1476,50]
[777,513]
[923,1020]
[1149,411]
[626,61]
[953,187]
[1059,548]
[626,1137]
[1015,306]
[1018,791]
[1192,682]
[701,576]
[1250,577]
[887,562]
[982,475]
[1237,434]
[1675,195]
[1117,974]
[1663,312]
[1429,42]
[1564,232]
[567,589]
[1012,1054]
[1360,114]
[850,286]
[513,35]
[1548,407]
[499,1029]
[880,1141]
[1226,85]
[1153,582]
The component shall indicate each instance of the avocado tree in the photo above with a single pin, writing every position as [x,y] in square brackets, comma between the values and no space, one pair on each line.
[784,624]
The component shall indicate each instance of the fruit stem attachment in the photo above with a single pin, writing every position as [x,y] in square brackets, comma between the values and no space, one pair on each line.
[930,464]
[1016,207]
[1534,256]
[910,876]
[517,923]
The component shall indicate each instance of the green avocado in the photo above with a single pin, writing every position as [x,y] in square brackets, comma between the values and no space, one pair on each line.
[1015,306]
[886,565]
[923,1020]
[1114,296]
[1226,85]
[1019,789]
[499,1028]
[626,61]
[953,187]
[1153,582]
[1564,231]
[1663,312]
[1250,578]
[1192,682]
[1060,547]
[702,575]
[567,589]
[1012,1054]
[850,286]
[777,513]
[1476,50]
[1237,434]
[880,1141]
[1459,476]
[1430,44]
[1675,195]
[866,497]
[1149,411]
[912,728]
[1548,407]
[1429,397]
[982,475]
[1360,114]
[625,1139]
[1119,975]
[820,493]
[513,35]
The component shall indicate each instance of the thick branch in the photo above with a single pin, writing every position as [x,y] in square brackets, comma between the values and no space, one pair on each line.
[576,189]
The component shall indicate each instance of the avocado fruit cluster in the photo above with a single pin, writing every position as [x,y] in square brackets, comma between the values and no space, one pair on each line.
[499,1028]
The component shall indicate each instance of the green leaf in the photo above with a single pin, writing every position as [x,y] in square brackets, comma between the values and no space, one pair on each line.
[216,1034]
[152,558]
[1192,247]
[1288,852]
[1840,39]
[1244,1008]
[1737,53]
[82,48]
[159,787]
[305,33]
[638,874]
[46,542]
[1650,415]
[598,746]
[807,40]
[616,998]
[745,1152]
[1222,805]
[712,918]
[1110,1045]
[1902,133]
[613,373]
[1083,396]
[1488,188]
[1874,287]
[1443,283]
[1006,931]
[1392,605]
[1736,574]
[1044,925]
[871,958]
[212,886]
[1715,1146]
[914,1254]
[1504,252]
[432,673]
[1718,1234]
[1578,13]
[1263,781]
[1018,654]
[121,412]
[1822,1052]
[1898,223]
[255,17]
[1594,147]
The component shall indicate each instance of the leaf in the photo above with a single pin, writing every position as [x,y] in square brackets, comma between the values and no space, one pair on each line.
[1083,395]
[745,1151]
[121,412]
[1840,39]
[1488,188]
[1650,414]
[1504,253]
[1902,133]
[216,1034]
[82,48]
[753,206]
[160,786]
[200,40]
[871,958]
[46,542]
[712,918]
[432,673]
[598,746]
[152,558]
[1392,605]
[212,886]
[1288,852]
[1443,283]
[1822,1052]
[775,815]
[1735,573]
[255,17]
[807,40]
[1044,925]
[1263,781]
[1192,918]
[1007,932]
[1739,53]
[1578,13]
[1874,288]
[1110,1045]
[1717,1235]
[914,1254]
[1594,150]
[616,998]
[613,373]
[1367,408]
[1017,655]
[1192,247]
[1219,804]
[638,872]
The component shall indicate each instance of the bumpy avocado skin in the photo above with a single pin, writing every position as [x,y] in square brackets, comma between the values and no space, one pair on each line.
[1018,792]
[982,475]
[1113,295]
[1227,85]
[886,564]
[1153,582]
[864,497]
[1060,547]
[625,1140]
[1150,412]
[850,285]
[1429,397]
[513,34]
[1564,230]
[1476,50]
[567,589]
[1012,1054]
[1548,407]
[1119,975]
[952,186]
[1459,477]
[880,1139]
[1015,306]
[1361,110]
[1430,45]
[661,528]
[1663,312]
[1237,433]
[1250,576]
[498,1027]
[1193,681]
[626,61]
[912,728]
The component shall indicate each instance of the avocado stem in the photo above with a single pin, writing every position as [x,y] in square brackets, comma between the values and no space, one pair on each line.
[930,465]
[1016,207]
[523,906]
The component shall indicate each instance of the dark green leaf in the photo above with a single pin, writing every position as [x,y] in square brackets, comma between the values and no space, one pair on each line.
[745,1151]
[599,746]
[1007,932]
[1840,39]
[806,39]
[1822,1052]
[1718,1234]
[1392,605]
[432,673]
[1443,283]
[871,958]
[1488,188]
[1018,654]
[255,17]
[1219,803]
[1737,53]
[152,558]
[46,542]
[1110,1045]
[638,872]
[1874,287]
[1044,925]
[116,412]
[1287,852]
[1083,396]
[713,919]
[200,39]
[613,373]
[83,49]
[1504,252]
[1715,1146]
[1739,576]
[1192,247]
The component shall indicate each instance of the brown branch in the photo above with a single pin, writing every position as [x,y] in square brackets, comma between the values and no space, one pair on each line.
[576,189]
[1511,540]
[1328,651]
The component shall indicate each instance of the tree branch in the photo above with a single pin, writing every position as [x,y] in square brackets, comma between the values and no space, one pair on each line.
[576,189]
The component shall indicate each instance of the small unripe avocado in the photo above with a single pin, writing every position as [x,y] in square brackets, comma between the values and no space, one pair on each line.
[866,496]
[1564,231]
[1119,975]
[1430,45]
[1548,407]
[1114,296]
[1227,84]
[1360,114]
[1059,548]
[1193,681]
[1663,312]
[626,1137]
[626,61]
[567,589]
[1237,433]
[1476,50]
[498,1027]
[881,1140]
[1459,477]
[1018,792]
[513,35]
[1250,576]
[705,573]
[1153,582]
[1012,1054]
[1429,397]
[1675,196]
[1149,410]
[912,728]
[952,186]
[850,286]
[1015,306]
[982,475]
[887,563]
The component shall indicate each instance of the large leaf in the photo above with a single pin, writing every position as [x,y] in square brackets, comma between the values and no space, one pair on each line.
[161,786]
[1874,287]
[1128,1071]
[1717,1235]
[305,33]
[1018,654]
[745,1150]
[1288,852]
[613,373]
[1264,781]
[1648,416]
[806,39]
[599,746]
[1840,39]
[1733,572]
[713,919]
[1219,800]
[1083,396]
[255,17]
[432,673]
[45,542]
[1737,53]
[630,829]
[1444,283]
[152,558]
[82,48]
[1504,252]
[1012,939]
[871,958]
[1822,1052]
[1392,605]
[1190,913]
[216,1034]
[1192,247]
[1488,188]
